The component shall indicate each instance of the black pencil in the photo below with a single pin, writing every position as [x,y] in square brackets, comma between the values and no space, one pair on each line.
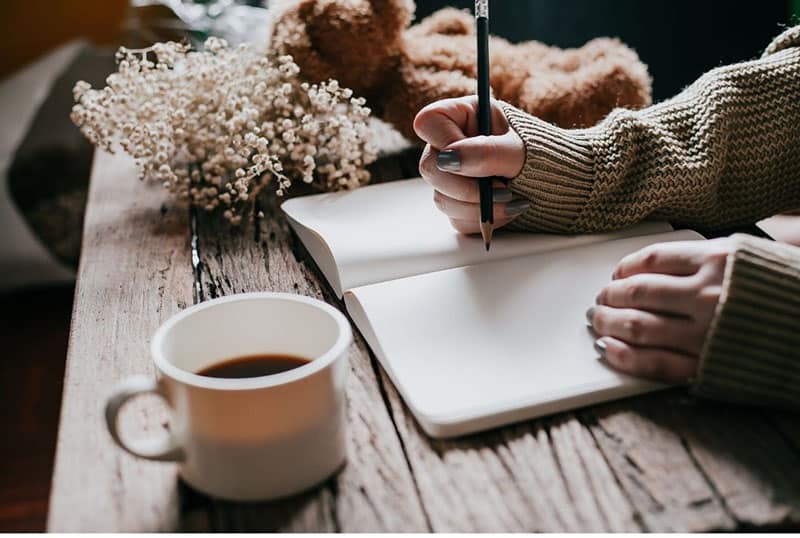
[484,116]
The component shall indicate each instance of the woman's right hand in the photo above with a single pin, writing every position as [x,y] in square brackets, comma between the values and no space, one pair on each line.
[455,158]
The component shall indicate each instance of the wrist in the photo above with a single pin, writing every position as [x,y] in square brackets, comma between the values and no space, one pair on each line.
[556,175]
[752,351]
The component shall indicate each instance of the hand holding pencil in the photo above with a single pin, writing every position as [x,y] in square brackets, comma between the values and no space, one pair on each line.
[456,157]
[453,197]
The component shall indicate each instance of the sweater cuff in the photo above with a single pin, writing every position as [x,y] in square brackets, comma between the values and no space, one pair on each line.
[752,352]
[558,173]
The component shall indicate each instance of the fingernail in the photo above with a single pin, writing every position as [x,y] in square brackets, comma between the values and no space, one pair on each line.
[590,315]
[600,347]
[503,195]
[449,161]
[597,299]
[517,207]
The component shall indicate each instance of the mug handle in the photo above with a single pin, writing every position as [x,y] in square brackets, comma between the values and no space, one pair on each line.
[163,448]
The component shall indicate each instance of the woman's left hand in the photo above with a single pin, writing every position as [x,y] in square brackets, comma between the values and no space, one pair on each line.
[653,318]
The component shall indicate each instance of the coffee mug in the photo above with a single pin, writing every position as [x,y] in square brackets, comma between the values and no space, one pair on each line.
[255,438]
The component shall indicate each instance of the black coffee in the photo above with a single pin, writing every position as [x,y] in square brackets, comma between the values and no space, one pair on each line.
[253,366]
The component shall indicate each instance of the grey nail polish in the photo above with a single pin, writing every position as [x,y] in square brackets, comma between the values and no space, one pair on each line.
[517,207]
[597,299]
[590,315]
[502,195]
[600,347]
[449,161]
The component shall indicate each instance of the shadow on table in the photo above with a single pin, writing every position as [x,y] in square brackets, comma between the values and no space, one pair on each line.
[201,513]
[669,452]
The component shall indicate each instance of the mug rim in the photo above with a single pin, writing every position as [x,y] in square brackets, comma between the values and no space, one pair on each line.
[343,341]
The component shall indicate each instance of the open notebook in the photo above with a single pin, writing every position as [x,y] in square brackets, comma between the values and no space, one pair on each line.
[471,339]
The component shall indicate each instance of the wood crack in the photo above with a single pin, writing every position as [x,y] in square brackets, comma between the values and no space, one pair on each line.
[197,265]
[713,487]
[385,397]
[589,422]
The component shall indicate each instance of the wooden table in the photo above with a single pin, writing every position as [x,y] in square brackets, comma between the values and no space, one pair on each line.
[662,462]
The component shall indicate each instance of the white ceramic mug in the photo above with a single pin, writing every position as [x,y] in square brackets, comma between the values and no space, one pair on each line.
[253,438]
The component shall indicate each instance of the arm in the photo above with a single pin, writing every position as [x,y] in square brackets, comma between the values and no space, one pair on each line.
[724,152]
[752,351]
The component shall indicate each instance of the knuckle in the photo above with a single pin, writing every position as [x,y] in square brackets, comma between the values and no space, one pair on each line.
[650,259]
[635,292]
[634,329]
[621,355]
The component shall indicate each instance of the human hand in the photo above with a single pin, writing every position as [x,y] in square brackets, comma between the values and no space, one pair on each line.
[653,318]
[455,157]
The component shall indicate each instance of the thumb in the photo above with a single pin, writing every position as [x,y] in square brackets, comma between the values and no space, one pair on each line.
[484,156]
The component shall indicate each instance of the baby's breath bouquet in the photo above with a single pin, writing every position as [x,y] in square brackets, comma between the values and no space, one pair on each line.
[216,126]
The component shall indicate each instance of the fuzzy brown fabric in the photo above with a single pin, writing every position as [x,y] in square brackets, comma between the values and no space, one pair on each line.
[367,45]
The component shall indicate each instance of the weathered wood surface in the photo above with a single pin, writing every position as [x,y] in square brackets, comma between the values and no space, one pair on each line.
[662,462]
[135,272]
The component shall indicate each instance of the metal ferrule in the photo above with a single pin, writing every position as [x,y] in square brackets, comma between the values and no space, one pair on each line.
[482,8]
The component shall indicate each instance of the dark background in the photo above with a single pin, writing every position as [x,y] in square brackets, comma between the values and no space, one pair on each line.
[678,39]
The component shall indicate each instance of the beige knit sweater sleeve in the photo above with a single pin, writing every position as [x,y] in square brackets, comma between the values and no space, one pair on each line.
[723,153]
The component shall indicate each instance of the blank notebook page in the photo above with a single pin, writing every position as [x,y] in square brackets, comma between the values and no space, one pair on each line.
[475,347]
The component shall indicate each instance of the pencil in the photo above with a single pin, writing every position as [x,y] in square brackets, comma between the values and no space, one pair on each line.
[484,116]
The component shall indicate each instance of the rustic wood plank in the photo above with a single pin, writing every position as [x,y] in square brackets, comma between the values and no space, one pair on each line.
[749,462]
[659,462]
[375,491]
[656,471]
[736,470]
[537,476]
[135,272]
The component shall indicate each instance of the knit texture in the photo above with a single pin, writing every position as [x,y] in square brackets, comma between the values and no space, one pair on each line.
[723,153]
[752,352]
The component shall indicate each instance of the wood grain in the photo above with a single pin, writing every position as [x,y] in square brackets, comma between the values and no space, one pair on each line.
[375,492]
[748,461]
[658,474]
[536,476]
[135,271]
[661,462]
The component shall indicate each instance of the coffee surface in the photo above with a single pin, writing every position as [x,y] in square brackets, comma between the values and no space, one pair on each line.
[253,366]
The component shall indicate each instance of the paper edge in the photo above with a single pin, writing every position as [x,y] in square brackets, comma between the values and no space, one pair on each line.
[457,424]
[311,238]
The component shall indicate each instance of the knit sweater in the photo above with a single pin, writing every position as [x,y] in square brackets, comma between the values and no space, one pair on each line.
[723,153]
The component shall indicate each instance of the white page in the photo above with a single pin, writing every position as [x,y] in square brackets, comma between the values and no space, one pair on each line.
[392,230]
[476,347]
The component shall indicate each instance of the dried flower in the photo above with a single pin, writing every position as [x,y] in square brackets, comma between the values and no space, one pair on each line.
[215,127]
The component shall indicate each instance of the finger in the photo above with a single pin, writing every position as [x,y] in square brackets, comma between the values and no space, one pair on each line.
[666,294]
[455,186]
[472,226]
[456,209]
[650,363]
[485,156]
[444,122]
[675,258]
[641,328]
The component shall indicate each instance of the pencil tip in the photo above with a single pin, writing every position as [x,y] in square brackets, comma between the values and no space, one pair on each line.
[486,233]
